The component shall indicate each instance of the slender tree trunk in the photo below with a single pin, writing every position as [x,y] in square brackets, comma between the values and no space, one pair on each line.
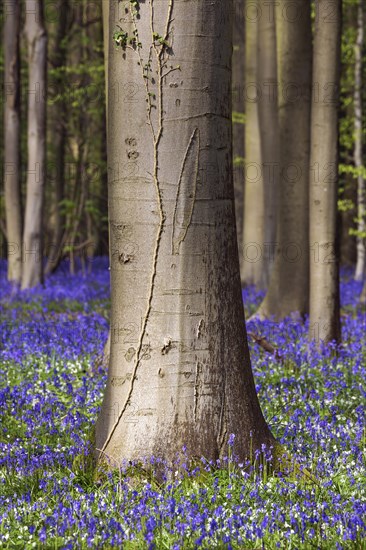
[103,247]
[363,294]
[12,141]
[106,39]
[59,138]
[252,268]
[268,128]
[289,285]
[324,261]
[37,63]
[80,141]
[238,118]
[361,191]
[348,187]
[348,216]
[179,369]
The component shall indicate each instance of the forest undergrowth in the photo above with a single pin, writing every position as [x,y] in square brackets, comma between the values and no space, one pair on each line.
[51,387]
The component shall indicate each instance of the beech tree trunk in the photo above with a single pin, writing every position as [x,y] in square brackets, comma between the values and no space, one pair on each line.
[37,63]
[361,191]
[59,138]
[348,216]
[363,294]
[106,40]
[324,260]
[252,264]
[238,115]
[268,128]
[289,285]
[179,369]
[12,140]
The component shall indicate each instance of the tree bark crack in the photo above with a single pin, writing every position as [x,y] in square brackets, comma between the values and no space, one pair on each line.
[183,192]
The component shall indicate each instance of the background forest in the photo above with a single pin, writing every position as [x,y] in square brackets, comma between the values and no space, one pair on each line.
[75,195]
[274,457]
[75,221]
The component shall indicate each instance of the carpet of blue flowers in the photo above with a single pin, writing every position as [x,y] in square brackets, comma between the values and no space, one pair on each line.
[51,388]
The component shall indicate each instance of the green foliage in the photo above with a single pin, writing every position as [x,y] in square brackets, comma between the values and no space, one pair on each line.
[120,37]
[76,101]
[347,170]
[238,118]
[345,205]
[135,4]
[160,39]
[356,232]
[239,161]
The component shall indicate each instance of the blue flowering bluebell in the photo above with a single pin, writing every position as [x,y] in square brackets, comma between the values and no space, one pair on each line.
[51,389]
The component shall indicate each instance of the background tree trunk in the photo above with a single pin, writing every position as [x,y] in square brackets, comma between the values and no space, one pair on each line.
[348,182]
[324,260]
[268,127]
[37,64]
[252,265]
[361,192]
[238,115]
[59,133]
[179,369]
[106,40]
[12,141]
[348,216]
[363,294]
[289,285]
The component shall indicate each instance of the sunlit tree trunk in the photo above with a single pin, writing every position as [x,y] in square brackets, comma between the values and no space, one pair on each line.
[37,62]
[268,128]
[12,140]
[179,369]
[324,260]
[252,264]
[361,191]
[289,285]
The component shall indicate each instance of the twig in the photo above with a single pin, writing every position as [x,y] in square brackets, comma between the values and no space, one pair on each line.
[267,346]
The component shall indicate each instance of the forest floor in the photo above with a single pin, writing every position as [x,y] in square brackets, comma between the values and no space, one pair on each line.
[50,394]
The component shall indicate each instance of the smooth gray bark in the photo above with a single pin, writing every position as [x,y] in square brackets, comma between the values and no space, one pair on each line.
[37,63]
[252,261]
[268,128]
[288,291]
[179,369]
[59,132]
[12,140]
[324,260]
